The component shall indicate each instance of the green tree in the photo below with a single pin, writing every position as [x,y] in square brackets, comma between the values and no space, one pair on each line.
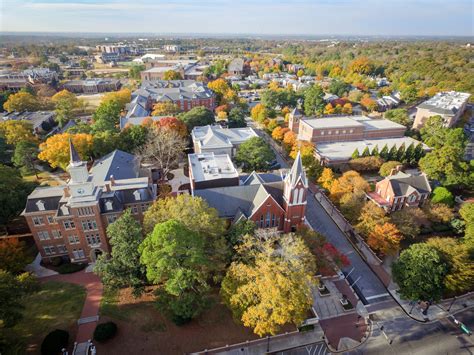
[401,153]
[398,115]
[135,70]
[338,87]
[366,152]
[254,154]
[176,258]
[237,231]
[393,153]
[198,116]
[419,152]
[375,151]
[237,118]
[467,214]
[270,283]
[133,137]
[420,272]
[384,153]
[25,157]
[107,116]
[409,94]
[356,154]
[123,268]
[314,100]
[13,257]
[13,193]
[409,156]
[442,195]
[65,103]
[387,167]
[105,142]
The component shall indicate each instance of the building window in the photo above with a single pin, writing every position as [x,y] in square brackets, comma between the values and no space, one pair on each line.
[49,250]
[261,221]
[322,133]
[89,225]
[329,132]
[135,209]
[343,131]
[38,221]
[78,253]
[111,218]
[62,249]
[351,131]
[144,207]
[267,220]
[56,234]
[93,239]
[69,224]
[51,220]
[337,132]
[43,235]
[412,198]
[273,220]
[86,211]
[73,239]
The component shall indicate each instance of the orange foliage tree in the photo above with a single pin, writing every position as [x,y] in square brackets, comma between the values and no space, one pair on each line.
[279,132]
[172,123]
[385,239]
[349,182]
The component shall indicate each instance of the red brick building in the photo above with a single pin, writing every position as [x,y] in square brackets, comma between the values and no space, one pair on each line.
[400,190]
[70,221]
[271,201]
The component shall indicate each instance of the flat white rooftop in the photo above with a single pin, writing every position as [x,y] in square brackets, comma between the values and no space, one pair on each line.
[210,166]
[369,124]
[446,100]
[342,151]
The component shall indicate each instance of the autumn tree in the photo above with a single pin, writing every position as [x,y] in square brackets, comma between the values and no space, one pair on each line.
[327,178]
[55,150]
[122,268]
[122,97]
[259,113]
[384,238]
[172,124]
[17,131]
[361,65]
[172,75]
[349,182]
[369,103]
[460,277]
[439,213]
[407,221]
[371,215]
[13,257]
[163,149]
[279,132]
[388,166]
[22,101]
[271,282]
[289,140]
[176,258]
[165,108]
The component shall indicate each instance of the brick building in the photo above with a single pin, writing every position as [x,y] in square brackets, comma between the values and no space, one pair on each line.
[92,86]
[271,201]
[400,190]
[70,221]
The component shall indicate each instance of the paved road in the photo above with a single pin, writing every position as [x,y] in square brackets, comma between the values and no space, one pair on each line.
[411,337]
[368,285]
[311,349]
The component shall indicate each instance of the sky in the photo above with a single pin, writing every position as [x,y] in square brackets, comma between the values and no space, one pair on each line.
[290,17]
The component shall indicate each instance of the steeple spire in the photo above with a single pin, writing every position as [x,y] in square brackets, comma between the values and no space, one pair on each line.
[74,156]
[297,171]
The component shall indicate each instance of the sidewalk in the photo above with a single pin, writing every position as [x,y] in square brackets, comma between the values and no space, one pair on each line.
[435,311]
[38,270]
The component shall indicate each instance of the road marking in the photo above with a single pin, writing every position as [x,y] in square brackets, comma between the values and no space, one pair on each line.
[377,296]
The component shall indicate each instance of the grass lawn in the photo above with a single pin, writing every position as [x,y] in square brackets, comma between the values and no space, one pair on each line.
[57,305]
[143,329]
[44,178]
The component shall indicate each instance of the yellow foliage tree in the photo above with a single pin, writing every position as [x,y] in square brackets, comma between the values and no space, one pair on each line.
[165,108]
[172,75]
[385,239]
[347,108]
[349,182]
[222,115]
[289,139]
[258,113]
[22,101]
[279,132]
[371,215]
[305,148]
[219,86]
[266,288]
[123,97]
[274,86]
[55,150]
[326,179]
[328,109]
[17,131]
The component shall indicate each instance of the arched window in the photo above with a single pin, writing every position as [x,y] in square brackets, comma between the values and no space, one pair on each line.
[261,221]
[295,196]
[301,194]
[267,222]
[273,220]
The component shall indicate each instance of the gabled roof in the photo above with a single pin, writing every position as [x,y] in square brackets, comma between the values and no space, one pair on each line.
[404,184]
[120,164]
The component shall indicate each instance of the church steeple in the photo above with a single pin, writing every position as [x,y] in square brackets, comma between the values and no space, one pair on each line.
[77,168]
[297,172]
[74,156]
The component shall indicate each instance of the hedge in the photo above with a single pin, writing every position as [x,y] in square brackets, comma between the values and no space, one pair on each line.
[105,331]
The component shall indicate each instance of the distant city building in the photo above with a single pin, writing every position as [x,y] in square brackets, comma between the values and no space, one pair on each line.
[337,137]
[209,170]
[400,190]
[172,48]
[70,221]
[15,81]
[92,86]
[156,69]
[42,121]
[269,200]
[219,140]
[186,94]
[450,105]
[236,67]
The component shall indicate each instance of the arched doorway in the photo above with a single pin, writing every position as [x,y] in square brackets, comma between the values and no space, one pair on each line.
[95,254]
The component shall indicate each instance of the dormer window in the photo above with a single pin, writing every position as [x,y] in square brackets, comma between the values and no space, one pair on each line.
[137,195]
[64,210]
[108,205]
[40,205]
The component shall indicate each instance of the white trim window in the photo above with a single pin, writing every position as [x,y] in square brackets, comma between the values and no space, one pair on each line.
[412,198]
[62,249]
[43,235]
[78,253]
[93,239]
[89,225]
[51,220]
[134,209]
[37,220]
[56,234]
[111,218]
[69,224]
[49,250]
[73,239]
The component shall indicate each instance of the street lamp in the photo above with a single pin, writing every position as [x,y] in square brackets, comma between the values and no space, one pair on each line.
[454,300]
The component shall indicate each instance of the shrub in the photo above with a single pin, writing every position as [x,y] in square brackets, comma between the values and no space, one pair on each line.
[70,268]
[105,331]
[387,167]
[366,163]
[54,342]
[442,195]
[56,261]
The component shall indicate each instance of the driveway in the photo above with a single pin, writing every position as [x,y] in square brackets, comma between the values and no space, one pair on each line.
[367,285]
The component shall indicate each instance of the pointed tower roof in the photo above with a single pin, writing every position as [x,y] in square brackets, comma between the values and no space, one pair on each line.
[74,156]
[296,112]
[297,171]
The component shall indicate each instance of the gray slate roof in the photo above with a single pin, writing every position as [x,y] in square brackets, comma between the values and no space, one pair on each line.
[403,184]
[119,164]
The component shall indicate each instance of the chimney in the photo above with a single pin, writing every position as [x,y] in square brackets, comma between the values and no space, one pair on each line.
[107,187]
[112,180]
[66,192]
[396,170]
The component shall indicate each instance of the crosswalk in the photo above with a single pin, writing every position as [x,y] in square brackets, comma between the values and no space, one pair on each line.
[311,349]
